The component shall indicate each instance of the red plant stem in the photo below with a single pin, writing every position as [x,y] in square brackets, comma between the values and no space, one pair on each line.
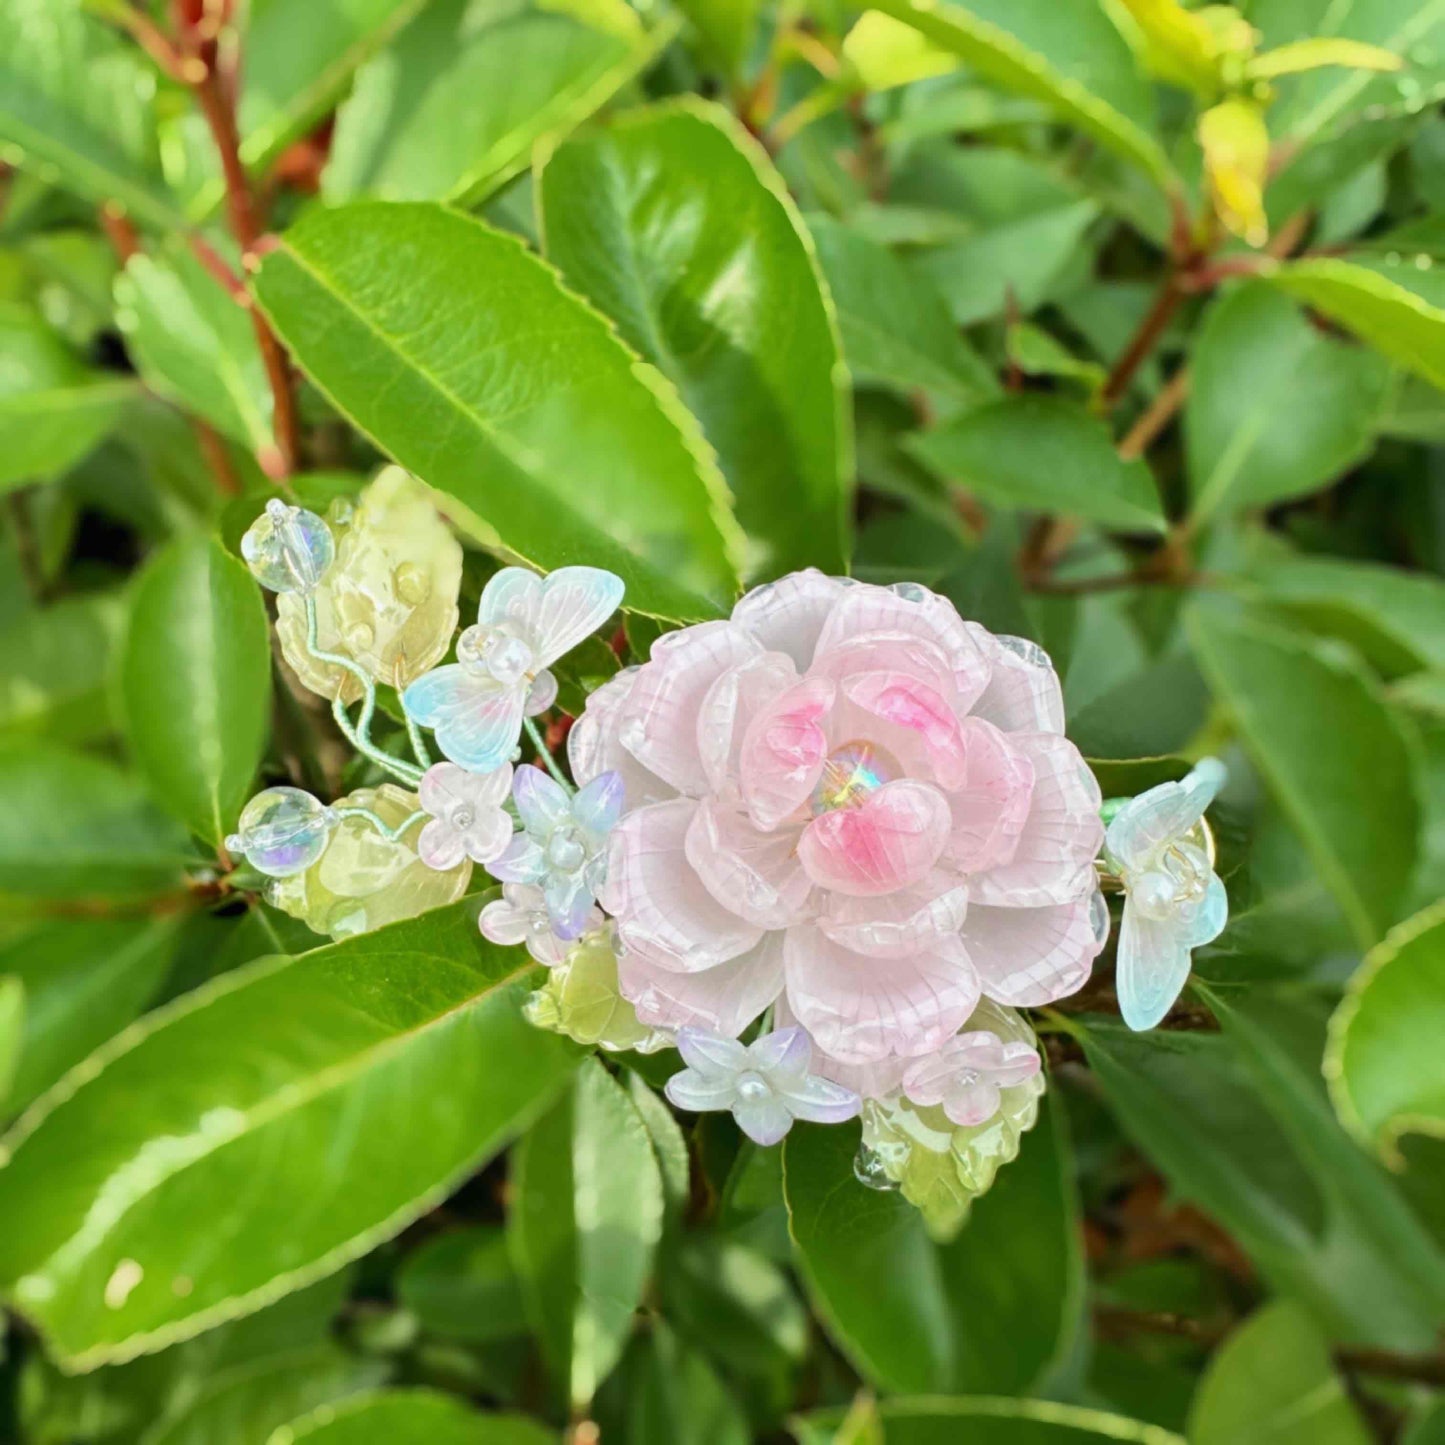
[1158,317]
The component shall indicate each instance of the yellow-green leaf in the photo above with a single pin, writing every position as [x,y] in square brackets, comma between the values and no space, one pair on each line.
[1236,159]
[1320,51]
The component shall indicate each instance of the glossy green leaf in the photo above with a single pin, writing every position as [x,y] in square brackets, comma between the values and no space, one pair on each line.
[1009,1422]
[1043,454]
[1329,751]
[572,451]
[367,1079]
[409,1417]
[195,682]
[463,100]
[1274,1380]
[586,1218]
[674,1166]
[1394,319]
[992,1310]
[461,1285]
[1383,1064]
[85,979]
[53,408]
[893,322]
[1392,616]
[1275,408]
[74,826]
[57,663]
[78,100]
[195,345]
[674,223]
[1070,56]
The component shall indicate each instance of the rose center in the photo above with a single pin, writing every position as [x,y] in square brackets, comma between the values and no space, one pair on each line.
[850,774]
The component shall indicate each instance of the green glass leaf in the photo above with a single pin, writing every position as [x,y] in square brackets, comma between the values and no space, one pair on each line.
[77,99]
[894,324]
[674,223]
[1372,302]
[1383,1063]
[993,1310]
[1070,56]
[1275,408]
[1005,1422]
[57,663]
[53,408]
[84,979]
[195,682]
[74,826]
[463,99]
[367,1079]
[586,1218]
[1274,1380]
[549,436]
[195,345]
[1330,752]
[409,1417]
[1043,454]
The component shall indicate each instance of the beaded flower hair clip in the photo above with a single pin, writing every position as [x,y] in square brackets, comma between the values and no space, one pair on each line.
[828,848]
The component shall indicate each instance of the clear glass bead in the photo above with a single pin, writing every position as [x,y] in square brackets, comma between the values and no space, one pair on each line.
[288,549]
[282,831]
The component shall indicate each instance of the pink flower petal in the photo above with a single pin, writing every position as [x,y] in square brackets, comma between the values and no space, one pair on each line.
[725,999]
[991,806]
[906,702]
[1023,693]
[440,846]
[787,615]
[1053,861]
[860,1009]
[1027,957]
[920,613]
[888,842]
[751,873]
[783,751]
[594,747]
[897,924]
[662,909]
[732,702]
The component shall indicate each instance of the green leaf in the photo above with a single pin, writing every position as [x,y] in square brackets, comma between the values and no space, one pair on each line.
[57,662]
[1383,1062]
[456,107]
[74,826]
[669,1392]
[461,1285]
[993,1310]
[1330,752]
[674,223]
[1071,57]
[409,1417]
[1275,409]
[586,1218]
[568,451]
[674,1166]
[77,99]
[195,682]
[894,324]
[881,53]
[726,27]
[1274,1381]
[1390,615]
[84,979]
[1373,304]
[1043,454]
[193,344]
[53,408]
[367,1078]
[1247,1135]
[1008,1422]
[12,1031]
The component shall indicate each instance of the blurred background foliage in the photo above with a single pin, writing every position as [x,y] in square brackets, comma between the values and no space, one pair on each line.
[1119,322]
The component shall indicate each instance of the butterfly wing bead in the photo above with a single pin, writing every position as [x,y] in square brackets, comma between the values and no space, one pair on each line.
[476,719]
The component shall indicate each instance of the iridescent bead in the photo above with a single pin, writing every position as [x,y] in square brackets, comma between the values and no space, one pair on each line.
[288,549]
[850,773]
[282,831]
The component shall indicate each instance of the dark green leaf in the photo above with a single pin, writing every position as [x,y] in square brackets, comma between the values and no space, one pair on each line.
[674,223]
[572,451]
[668,1392]
[367,1078]
[409,1417]
[195,682]
[1007,1422]
[57,662]
[1043,454]
[461,1285]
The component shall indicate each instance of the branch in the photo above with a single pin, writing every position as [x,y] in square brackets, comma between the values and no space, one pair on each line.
[1151,328]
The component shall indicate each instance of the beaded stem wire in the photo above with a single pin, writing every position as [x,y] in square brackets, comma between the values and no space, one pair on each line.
[391,834]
